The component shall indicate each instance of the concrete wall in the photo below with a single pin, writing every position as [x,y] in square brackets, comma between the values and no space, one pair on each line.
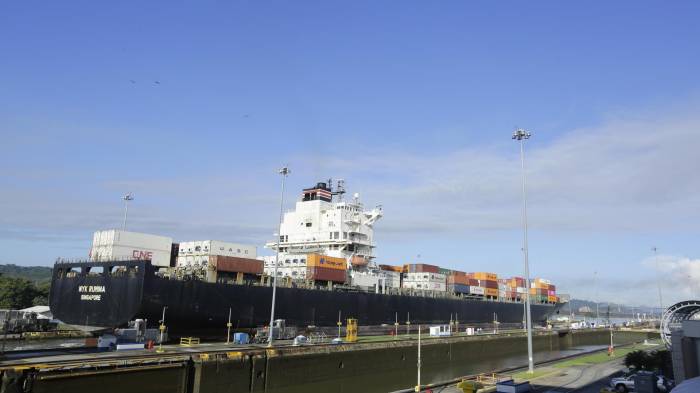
[378,367]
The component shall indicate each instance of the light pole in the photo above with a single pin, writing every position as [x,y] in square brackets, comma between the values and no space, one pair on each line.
[597,303]
[128,197]
[521,135]
[284,172]
[658,282]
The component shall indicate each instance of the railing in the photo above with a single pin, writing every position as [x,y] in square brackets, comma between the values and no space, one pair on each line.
[189,341]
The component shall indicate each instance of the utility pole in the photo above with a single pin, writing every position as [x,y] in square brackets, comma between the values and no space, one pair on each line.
[284,172]
[128,197]
[521,135]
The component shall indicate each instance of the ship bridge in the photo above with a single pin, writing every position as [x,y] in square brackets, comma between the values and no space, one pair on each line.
[323,222]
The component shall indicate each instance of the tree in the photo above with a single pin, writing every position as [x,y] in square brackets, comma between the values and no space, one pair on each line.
[639,360]
[17,293]
[661,361]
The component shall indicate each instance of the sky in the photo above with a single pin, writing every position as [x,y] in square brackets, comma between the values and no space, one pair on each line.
[193,106]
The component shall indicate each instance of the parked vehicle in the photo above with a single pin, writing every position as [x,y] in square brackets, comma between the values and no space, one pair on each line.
[626,383]
[279,329]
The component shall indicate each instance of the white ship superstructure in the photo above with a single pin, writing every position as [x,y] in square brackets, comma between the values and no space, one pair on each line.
[323,223]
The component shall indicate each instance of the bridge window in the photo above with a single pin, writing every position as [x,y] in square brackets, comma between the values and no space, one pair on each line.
[95,270]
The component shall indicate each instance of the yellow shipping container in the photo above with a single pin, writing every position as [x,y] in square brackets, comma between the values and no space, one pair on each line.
[491,292]
[552,299]
[317,260]
[486,276]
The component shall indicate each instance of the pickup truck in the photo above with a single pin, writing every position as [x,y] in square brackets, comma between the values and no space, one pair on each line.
[626,384]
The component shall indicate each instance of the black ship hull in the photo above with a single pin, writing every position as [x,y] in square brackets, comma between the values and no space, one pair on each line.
[111,298]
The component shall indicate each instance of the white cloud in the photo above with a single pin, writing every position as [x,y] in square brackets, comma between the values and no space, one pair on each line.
[679,277]
[625,174]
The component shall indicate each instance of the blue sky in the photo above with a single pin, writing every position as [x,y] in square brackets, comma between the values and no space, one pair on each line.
[193,105]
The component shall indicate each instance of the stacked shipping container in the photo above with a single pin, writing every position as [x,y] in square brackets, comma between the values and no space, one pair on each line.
[424,281]
[325,268]
[543,291]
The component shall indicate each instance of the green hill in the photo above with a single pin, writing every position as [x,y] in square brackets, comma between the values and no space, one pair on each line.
[35,274]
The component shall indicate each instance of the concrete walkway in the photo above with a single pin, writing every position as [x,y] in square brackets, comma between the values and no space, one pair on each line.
[578,379]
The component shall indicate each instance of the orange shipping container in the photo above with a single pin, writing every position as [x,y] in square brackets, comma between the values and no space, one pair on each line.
[486,276]
[552,299]
[317,260]
[458,279]
[491,292]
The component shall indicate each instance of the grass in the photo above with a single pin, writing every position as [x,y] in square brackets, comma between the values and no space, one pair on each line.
[602,357]
[595,358]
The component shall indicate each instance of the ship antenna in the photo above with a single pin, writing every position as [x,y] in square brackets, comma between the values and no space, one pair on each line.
[340,189]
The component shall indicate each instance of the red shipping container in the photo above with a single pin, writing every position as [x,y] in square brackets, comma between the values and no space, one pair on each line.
[552,288]
[326,274]
[491,284]
[473,282]
[423,268]
[236,264]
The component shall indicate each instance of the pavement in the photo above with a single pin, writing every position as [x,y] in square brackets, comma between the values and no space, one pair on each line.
[572,379]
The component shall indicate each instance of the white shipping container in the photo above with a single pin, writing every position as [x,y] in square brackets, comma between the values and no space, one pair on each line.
[216,247]
[424,277]
[363,279]
[131,239]
[115,244]
[198,252]
[425,285]
[476,290]
[520,290]
[392,278]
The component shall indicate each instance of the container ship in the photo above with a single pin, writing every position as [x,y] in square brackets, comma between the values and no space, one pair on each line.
[325,270]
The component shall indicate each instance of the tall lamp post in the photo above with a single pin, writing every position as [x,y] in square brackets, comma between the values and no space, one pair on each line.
[284,172]
[128,197]
[521,135]
[658,282]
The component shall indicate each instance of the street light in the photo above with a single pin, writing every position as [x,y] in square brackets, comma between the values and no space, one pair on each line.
[658,282]
[521,135]
[128,197]
[284,172]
